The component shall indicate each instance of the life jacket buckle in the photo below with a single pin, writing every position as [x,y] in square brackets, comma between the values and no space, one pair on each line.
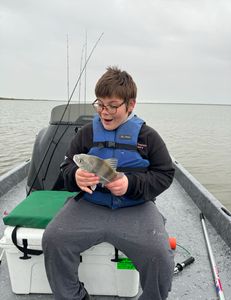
[110,144]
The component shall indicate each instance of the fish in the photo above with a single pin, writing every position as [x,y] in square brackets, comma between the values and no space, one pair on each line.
[105,169]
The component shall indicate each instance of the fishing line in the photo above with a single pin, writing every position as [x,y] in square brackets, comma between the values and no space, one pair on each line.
[77,82]
[60,121]
[183,249]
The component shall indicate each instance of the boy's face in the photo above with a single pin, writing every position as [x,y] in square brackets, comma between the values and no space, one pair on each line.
[113,120]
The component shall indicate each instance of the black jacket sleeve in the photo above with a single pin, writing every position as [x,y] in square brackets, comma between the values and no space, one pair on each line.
[160,173]
[146,185]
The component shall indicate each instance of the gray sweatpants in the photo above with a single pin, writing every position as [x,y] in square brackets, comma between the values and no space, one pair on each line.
[137,231]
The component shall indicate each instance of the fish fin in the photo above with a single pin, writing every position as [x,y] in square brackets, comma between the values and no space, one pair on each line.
[93,187]
[119,175]
[103,181]
[112,162]
[74,159]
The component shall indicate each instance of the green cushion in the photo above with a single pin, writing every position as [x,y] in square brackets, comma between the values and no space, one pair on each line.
[38,209]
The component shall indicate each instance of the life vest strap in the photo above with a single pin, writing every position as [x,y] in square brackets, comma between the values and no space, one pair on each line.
[129,170]
[114,145]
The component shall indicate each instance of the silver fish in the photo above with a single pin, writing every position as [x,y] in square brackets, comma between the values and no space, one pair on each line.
[104,168]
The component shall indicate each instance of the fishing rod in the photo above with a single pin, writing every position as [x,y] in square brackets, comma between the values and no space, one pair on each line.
[1,255]
[68,75]
[85,75]
[81,61]
[60,121]
[68,85]
[217,280]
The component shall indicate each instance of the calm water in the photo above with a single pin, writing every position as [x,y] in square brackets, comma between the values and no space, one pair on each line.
[198,136]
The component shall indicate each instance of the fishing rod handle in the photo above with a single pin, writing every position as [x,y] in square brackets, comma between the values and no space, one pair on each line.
[188,261]
[180,266]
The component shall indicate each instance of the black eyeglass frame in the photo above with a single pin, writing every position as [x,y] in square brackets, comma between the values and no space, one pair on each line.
[107,107]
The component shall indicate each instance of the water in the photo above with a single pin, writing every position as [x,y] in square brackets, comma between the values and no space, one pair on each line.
[198,136]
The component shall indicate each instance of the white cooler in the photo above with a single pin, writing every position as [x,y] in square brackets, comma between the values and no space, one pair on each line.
[100,275]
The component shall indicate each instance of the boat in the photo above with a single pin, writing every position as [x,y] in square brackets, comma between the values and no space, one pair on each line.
[182,205]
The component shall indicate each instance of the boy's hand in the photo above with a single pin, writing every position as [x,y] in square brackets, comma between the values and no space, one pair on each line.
[119,186]
[85,180]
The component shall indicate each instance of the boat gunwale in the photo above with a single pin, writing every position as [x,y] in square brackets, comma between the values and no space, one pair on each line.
[208,204]
[13,176]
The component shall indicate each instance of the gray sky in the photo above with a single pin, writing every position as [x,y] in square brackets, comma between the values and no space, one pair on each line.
[176,50]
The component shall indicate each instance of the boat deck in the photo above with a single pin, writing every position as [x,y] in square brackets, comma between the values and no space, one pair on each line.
[183,222]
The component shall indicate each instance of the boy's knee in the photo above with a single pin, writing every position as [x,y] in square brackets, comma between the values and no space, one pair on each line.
[159,252]
[51,238]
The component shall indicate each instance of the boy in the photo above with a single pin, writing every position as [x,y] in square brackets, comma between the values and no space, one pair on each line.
[123,211]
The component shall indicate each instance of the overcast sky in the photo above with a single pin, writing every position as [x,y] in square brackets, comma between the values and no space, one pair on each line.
[175,50]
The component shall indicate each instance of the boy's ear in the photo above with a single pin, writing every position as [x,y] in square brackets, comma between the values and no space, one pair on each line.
[131,105]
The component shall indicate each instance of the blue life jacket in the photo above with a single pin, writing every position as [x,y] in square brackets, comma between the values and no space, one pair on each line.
[120,143]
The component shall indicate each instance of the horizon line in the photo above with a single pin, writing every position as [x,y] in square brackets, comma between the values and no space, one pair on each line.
[145,102]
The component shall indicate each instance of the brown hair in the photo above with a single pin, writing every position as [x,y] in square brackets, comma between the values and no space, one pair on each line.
[116,83]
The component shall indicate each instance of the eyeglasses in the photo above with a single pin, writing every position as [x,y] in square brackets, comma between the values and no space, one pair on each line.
[111,109]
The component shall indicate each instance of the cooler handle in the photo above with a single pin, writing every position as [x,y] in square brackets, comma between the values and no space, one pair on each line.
[23,249]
